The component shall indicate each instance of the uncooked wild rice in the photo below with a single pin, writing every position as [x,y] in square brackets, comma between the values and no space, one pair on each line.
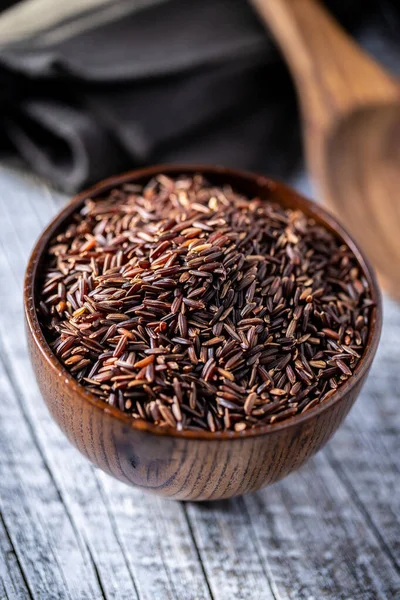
[190,306]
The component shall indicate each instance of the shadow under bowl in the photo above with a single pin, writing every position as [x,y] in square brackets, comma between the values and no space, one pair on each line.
[190,465]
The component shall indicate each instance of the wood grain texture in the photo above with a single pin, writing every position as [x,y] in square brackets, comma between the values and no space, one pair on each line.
[351,126]
[330,531]
[12,582]
[188,465]
[35,526]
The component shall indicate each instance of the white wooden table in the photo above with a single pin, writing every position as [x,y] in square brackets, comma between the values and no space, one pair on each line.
[329,531]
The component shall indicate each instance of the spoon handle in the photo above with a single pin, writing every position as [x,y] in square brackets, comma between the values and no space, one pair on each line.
[331,72]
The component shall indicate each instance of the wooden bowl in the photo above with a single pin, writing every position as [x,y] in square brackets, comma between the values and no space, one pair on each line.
[190,465]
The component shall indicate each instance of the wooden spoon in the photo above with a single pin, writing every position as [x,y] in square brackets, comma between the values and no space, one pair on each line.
[351,126]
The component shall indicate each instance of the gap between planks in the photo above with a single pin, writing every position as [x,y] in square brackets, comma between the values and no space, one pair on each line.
[27,592]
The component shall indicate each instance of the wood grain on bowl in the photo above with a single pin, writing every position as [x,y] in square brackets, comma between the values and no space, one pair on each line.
[189,464]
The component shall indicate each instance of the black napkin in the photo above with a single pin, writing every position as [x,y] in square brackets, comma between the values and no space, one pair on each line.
[121,86]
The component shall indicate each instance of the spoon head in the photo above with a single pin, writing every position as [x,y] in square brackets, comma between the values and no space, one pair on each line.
[362,182]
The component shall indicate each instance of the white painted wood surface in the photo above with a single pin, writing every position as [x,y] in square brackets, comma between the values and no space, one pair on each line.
[330,531]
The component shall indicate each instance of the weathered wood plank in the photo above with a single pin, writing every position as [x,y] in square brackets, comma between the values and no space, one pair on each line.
[156,541]
[12,582]
[115,542]
[37,523]
[315,541]
[231,559]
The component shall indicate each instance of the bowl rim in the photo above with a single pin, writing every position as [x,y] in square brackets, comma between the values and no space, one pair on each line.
[270,186]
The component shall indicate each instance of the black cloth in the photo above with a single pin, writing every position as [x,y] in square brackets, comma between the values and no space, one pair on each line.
[176,80]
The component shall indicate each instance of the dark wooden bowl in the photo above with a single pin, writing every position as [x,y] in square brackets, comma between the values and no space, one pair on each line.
[190,465]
